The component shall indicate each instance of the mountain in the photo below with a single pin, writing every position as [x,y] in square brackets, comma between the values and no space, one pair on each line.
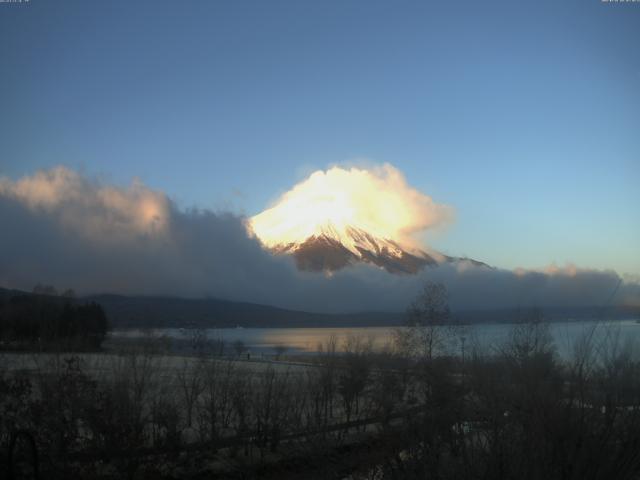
[175,312]
[330,248]
[171,312]
[124,311]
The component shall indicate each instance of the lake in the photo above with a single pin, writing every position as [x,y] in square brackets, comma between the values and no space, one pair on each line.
[487,337]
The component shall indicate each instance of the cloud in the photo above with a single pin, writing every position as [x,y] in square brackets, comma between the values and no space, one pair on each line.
[101,213]
[377,200]
[62,228]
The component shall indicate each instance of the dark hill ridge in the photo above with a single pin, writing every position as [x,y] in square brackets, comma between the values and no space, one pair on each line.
[174,312]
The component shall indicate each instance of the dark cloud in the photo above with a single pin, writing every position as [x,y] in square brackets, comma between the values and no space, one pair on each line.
[63,229]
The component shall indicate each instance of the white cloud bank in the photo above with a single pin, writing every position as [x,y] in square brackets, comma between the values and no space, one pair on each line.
[61,228]
[377,200]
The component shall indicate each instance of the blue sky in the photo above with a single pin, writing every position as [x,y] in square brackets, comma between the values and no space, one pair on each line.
[525,117]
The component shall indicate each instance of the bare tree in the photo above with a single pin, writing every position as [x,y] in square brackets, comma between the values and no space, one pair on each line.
[280,350]
[428,318]
[328,376]
[68,293]
[531,337]
[191,385]
[40,289]
[239,347]
[216,408]
[354,377]
[198,341]
[271,404]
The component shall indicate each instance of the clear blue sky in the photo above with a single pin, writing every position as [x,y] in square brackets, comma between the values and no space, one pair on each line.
[524,116]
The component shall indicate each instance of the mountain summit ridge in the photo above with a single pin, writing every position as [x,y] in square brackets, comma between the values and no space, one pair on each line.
[329,248]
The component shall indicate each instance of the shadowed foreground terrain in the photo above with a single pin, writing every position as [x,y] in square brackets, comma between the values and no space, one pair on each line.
[349,412]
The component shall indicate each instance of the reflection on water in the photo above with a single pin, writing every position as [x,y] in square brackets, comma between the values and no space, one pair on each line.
[484,336]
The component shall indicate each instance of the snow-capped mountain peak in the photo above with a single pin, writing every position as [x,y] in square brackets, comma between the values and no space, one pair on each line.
[329,247]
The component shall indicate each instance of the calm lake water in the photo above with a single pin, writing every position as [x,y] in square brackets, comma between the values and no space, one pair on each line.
[487,337]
